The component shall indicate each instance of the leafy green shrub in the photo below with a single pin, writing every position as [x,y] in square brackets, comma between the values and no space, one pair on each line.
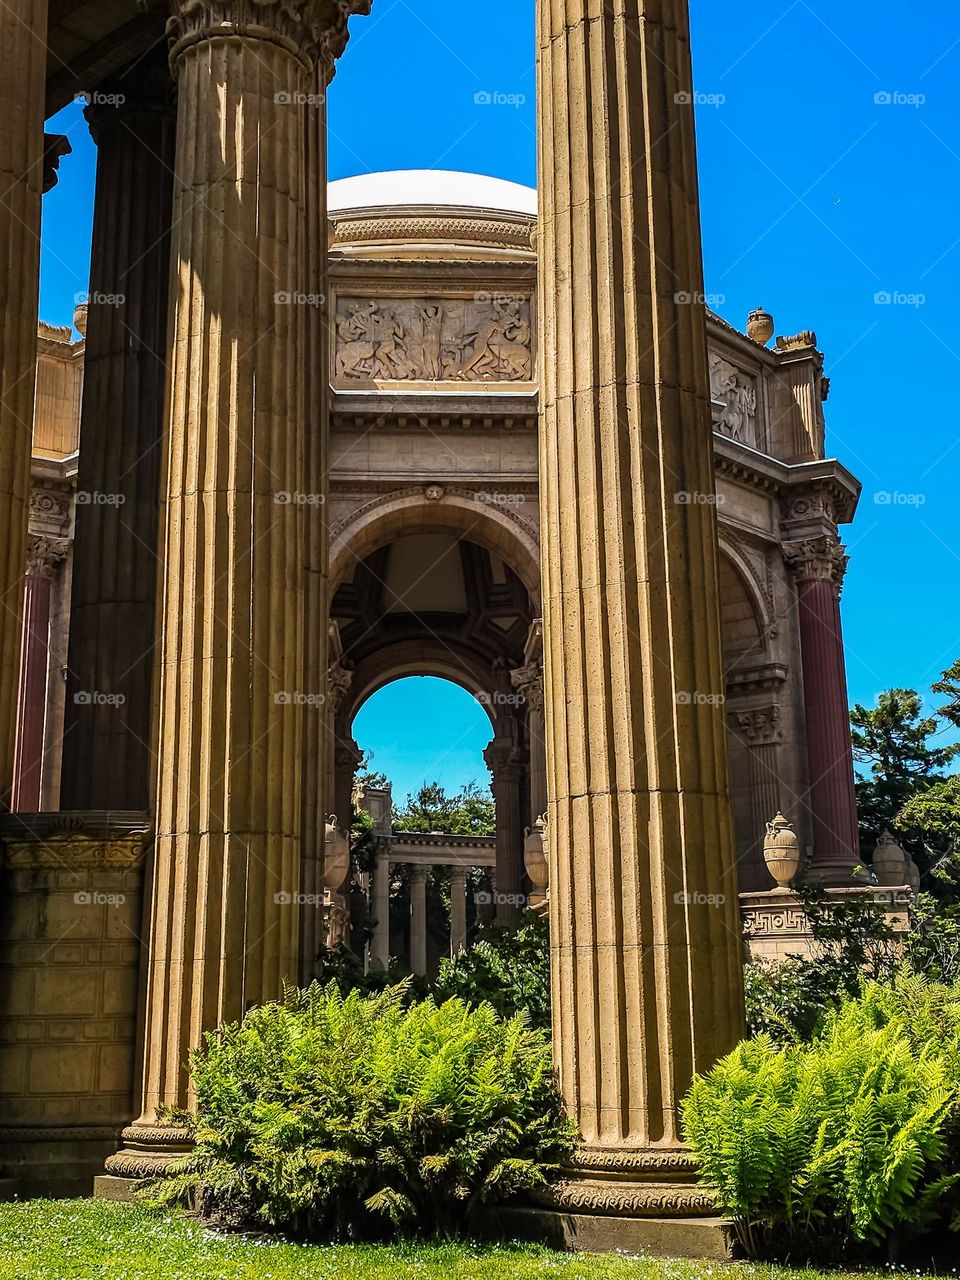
[843,1142]
[509,968]
[324,1115]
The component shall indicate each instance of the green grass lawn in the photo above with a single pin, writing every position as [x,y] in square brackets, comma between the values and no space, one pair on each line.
[97,1240]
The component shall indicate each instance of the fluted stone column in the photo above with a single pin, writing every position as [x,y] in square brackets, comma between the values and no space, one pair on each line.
[44,555]
[23,55]
[645,934]
[418,920]
[108,760]
[458,909]
[819,565]
[528,681]
[224,928]
[380,909]
[506,768]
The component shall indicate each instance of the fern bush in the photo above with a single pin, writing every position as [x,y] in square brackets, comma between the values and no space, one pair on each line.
[509,968]
[845,1142]
[332,1116]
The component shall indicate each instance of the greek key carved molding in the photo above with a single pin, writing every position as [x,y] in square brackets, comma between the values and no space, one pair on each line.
[775,922]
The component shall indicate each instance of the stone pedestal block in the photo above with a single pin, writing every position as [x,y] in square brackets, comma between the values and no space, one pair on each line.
[71,890]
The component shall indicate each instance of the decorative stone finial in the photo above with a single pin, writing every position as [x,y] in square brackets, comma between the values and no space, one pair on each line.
[781,851]
[760,326]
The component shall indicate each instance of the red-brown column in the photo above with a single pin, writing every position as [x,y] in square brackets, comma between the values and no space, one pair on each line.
[43,555]
[819,565]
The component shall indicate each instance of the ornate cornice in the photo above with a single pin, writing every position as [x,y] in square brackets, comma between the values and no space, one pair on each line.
[315,31]
[74,841]
[500,233]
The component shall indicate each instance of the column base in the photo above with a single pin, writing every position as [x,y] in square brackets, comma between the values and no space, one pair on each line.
[148,1151]
[837,875]
[711,1239]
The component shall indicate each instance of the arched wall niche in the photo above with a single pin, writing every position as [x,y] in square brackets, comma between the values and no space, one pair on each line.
[459,512]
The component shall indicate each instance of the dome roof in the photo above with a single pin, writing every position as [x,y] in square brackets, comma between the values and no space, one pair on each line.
[430,188]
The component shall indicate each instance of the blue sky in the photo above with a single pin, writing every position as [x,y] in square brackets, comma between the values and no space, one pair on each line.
[830,173]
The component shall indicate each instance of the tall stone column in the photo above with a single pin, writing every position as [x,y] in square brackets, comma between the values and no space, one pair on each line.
[819,565]
[458,909]
[528,681]
[224,927]
[645,934]
[23,53]
[418,920]
[380,909]
[506,767]
[108,760]
[43,557]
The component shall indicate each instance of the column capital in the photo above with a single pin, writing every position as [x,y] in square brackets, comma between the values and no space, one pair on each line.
[759,725]
[528,681]
[120,100]
[504,761]
[44,555]
[418,874]
[315,31]
[339,680]
[822,559]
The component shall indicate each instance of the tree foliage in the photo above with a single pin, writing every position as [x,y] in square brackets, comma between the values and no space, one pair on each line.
[895,742]
[469,812]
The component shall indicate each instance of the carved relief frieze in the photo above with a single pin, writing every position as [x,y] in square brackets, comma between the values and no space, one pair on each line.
[481,338]
[738,393]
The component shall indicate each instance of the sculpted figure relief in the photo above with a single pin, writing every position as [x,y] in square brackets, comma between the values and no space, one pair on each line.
[485,339]
[738,419]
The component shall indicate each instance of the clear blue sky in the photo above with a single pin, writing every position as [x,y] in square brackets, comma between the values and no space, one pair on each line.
[816,197]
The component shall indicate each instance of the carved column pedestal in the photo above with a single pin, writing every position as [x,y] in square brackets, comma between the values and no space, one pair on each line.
[645,945]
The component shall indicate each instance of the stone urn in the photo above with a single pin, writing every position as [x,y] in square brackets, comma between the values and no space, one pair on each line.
[336,857]
[80,319]
[893,867]
[760,326]
[781,851]
[535,861]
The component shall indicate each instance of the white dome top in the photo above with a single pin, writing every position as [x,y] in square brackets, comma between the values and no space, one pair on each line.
[430,188]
